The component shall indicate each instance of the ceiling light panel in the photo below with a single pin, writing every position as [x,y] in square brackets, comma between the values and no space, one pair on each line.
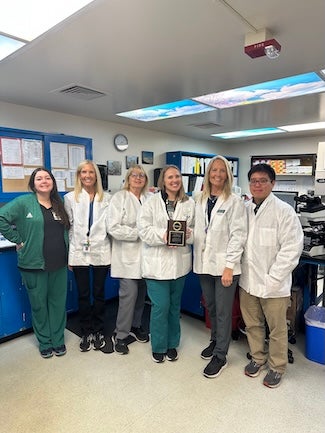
[247,133]
[185,107]
[27,19]
[8,46]
[303,127]
[289,87]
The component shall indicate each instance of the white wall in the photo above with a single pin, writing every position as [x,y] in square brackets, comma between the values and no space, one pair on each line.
[102,133]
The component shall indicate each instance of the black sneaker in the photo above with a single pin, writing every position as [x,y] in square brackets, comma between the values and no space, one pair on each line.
[171,355]
[139,334]
[108,346]
[120,346]
[60,350]
[272,379]
[253,369]
[207,353]
[47,353]
[98,341]
[86,343]
[158,357]
[215,367]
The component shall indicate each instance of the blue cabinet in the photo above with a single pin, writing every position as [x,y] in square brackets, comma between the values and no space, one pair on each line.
[15,314]
[72,294]
[15,311]
[111,287]
[192,296]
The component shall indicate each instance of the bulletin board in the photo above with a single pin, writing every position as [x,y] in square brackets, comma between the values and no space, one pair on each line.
[22,151]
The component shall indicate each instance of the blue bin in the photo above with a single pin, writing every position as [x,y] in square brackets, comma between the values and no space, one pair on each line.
[315,334]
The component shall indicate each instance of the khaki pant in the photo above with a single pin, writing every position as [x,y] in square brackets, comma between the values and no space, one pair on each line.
[255,311]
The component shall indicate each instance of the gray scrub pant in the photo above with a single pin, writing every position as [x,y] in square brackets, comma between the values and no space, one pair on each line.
[132,295]
[219,301]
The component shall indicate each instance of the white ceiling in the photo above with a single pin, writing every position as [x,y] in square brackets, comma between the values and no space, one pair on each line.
[147,52]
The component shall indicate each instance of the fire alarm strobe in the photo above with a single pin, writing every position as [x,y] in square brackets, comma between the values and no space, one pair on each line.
[261,48]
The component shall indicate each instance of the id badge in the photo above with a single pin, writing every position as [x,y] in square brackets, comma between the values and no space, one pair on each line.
[86,247]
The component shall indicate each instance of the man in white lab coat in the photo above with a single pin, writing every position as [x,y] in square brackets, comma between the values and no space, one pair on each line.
[272,251]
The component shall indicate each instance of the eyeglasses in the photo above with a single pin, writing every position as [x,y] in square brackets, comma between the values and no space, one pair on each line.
[259,181]
[138,175]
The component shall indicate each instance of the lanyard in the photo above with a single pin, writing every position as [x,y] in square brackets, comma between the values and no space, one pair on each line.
[208,210]
[91,216]
[170,208]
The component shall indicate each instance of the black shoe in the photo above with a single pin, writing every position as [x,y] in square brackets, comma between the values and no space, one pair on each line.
[120,346]
[86,343]
[47,353]
[158,357]
[98,341]
[139,334]
[215,367]
[207,353]
[60,350]
[171,355]
[108,347]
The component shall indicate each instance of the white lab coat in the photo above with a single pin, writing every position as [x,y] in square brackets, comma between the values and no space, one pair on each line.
[123,210]
[160,262]
[220,243]
[273,248]
[100,244]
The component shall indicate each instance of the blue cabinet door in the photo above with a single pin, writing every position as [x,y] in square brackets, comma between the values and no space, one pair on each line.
[192,296]
[72,294]
[15,308]
[111,287]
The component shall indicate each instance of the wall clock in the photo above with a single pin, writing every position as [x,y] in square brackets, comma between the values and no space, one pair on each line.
[121,142]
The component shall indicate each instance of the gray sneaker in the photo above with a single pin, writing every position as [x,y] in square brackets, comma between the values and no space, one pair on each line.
[272,379]
[253,369]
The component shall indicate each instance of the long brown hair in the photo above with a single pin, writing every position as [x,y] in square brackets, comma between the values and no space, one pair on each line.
[57,203]
[181,195]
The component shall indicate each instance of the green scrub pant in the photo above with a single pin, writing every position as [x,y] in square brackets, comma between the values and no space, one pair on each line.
[47,292]
[165,296]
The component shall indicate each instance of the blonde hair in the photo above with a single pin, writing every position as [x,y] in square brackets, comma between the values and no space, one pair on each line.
[128,174]
[98,185]
[227,189]
[181,195]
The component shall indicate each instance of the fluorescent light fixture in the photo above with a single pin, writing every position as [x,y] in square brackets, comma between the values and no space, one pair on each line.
[265,131]
[25,20]
[8,46]
[303,127]
[185,107]
[278,89]
[247,133]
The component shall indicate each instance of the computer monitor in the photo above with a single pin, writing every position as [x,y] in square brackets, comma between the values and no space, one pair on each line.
[288,197]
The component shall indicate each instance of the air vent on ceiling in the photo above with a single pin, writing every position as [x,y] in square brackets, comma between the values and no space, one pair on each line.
[80,92]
